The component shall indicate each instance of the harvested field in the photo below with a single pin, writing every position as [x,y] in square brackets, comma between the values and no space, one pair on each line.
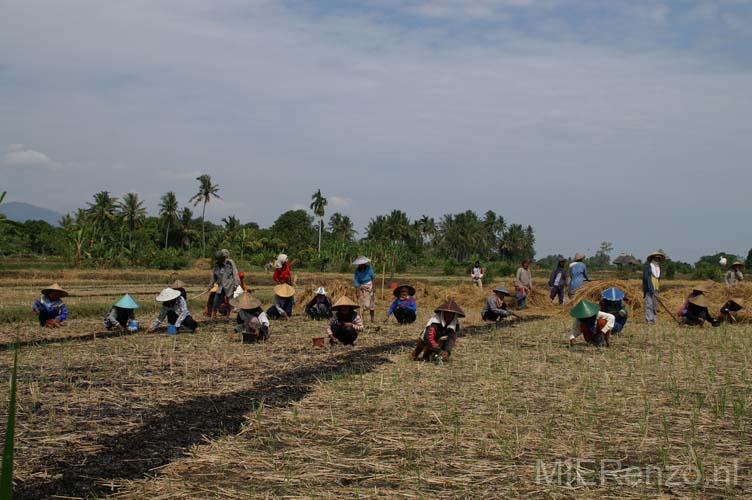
[200,416]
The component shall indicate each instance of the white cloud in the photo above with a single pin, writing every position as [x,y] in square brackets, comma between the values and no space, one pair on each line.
[19,156]
[339,201]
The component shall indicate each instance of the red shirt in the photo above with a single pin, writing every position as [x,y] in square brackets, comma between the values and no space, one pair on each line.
[282,275]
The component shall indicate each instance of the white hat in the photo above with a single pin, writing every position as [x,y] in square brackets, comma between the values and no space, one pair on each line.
[320,291]
[361,260]
[281,259]
[167,294]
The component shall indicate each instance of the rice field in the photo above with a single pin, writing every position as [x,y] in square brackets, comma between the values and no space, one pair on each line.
[663,413]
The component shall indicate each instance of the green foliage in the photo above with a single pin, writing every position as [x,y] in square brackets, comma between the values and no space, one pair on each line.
[748,262]
[169,259]
[450,267]
[602,258]
[294,231]
[705,271]
[712,260]
[549,261]
[6,476]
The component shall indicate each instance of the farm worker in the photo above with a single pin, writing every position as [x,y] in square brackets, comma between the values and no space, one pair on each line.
[225,276]
[251,322]
[730,309]
[697,312]
[594,324]
[319,307]
[476,274]
[284,299]
[50,308]
[523,282]
[734,275]
[175,310]
[282,270]
[403,306]
[612,302]
[697,289]
[577,273]
[363,281]
[651,283]
[438,338]
[121,313]
[179,286]
[346,323]
[495,308]
[558,280]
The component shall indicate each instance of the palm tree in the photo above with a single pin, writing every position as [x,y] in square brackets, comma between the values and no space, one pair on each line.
[185,223]
[205,193]
[317,205]
[103,212]
[341,227]
[132,213]
[168,211]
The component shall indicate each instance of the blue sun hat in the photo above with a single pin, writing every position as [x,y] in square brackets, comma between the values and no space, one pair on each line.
[502,290]
[613,294]
[126,302]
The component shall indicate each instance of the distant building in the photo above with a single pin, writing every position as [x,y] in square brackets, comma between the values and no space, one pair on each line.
[625,259]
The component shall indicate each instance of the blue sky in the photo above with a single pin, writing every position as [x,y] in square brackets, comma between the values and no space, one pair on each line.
[623,121]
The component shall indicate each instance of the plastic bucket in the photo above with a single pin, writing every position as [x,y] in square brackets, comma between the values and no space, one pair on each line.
[132,325]
[318,341]
[172,329]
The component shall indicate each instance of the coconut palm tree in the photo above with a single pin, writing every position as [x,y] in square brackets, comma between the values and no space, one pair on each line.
[103,212]
[168,211]
[341,227]
[132,213]
[317,205]
[206,192]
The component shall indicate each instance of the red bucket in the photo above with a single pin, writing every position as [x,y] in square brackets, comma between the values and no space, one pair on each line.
[318,341]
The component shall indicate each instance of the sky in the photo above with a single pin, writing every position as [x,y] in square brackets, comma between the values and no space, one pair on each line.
[628,121]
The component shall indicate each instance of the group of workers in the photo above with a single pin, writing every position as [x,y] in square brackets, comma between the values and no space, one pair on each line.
[228,291]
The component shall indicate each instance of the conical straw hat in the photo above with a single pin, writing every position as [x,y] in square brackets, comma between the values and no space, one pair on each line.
[55,287]
[584,309]
[451,306]
[126,302]
[361,260]
[345,301]
[245,301]
[699,301]
[177,284]
[657,254]
[578,256]
[167,295]
[284,290]
[737,302]
[738,263]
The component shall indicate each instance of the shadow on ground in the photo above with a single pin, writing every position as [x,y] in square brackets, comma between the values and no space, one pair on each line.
[168,431]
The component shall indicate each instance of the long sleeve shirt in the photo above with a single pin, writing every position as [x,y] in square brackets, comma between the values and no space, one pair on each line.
[284,305]
[523,279]
[733,277]
[56,307]
[492,305]
[578,275]
[561,273]
[179,307]
[355,319]
[283,274]
[408,304]
[118,316]
[576,325]
[363,276]
[650,282]
[226,277]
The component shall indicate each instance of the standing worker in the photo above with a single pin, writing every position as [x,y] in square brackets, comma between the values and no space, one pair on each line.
[523,282]
[651,283]
[476,274]
[363,281]
[577,273]
[558,280]
[225,276]
[734,275]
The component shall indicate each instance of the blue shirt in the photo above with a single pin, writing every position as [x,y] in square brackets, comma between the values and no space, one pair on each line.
[364,276]
[408,304]
[578,274]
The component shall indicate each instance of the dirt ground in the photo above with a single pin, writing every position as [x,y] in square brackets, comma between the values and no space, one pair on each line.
[201,416]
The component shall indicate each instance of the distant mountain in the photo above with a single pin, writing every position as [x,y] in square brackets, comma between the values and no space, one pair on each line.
[22,212]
